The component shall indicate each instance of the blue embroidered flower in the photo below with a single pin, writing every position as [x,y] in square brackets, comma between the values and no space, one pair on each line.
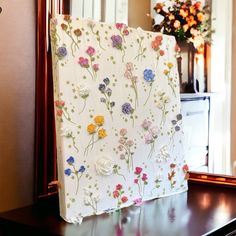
[127,108]
[70,160]
[148,75]
[67,172]
[81,169]
[61,52]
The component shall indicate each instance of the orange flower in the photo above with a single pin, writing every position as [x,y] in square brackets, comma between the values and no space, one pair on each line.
[185,27]
[99,120]
[177,24]
[102,133]
[198,6]
[91,128]
[191,21]
[171,17]
[159,7]
[183,13]
[192,10]
[200,16]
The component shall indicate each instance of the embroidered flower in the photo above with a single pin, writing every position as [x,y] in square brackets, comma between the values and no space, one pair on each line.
[99,120]
[104,166]
[102,133]
[77,174]
[84,62]
[118,194]
[148,77]
[127,108]
[91,128]
[91,198]
[61,52]
[90,51]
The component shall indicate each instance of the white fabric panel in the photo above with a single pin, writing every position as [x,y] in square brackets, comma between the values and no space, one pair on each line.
[117,111]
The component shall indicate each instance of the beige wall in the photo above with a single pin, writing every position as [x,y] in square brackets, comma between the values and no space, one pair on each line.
[233,91]
[137,14]
[17,82]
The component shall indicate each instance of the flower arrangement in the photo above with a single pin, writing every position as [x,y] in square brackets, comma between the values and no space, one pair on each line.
[187,20]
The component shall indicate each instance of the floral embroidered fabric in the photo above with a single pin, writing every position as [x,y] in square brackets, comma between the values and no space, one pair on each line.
[117,111]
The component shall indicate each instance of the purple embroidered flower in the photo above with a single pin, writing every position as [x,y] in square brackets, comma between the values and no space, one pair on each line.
[67,172]
[146,124]
[70,160]
[127,108]
[108,92]
[95,67]
[83,62]
[61,52]
[102,100]
[106,81]
[148,75]
[81,169]
[90,51]
[116,41]
[102,87]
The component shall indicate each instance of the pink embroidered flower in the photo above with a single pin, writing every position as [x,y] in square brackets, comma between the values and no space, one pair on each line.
[59,103]
[120,148]
[144,177]
[129,66]
[118,187]
[116,194]
[90,51]
[130,143]
[172,165]
[95,67]
[148,138]
[123,132]
[128,74]
[162,52]
[83,62]
[135,181]
[119,25]
[185,168]
[125,32]
[122,140]
[159,38]
[59,112]
[146,124]
[138,170]
[124,199]
[138,202]
[154,131]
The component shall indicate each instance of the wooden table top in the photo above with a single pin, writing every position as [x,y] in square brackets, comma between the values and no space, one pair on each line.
[200,210]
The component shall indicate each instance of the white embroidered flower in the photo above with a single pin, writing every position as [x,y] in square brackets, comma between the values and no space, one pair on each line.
[166,99]
[104,166]
[66,132]
[90,197]
[159,177]
[159,104]
[163,155]
[83,90]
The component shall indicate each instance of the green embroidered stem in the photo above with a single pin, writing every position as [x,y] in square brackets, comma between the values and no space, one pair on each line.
[149,94]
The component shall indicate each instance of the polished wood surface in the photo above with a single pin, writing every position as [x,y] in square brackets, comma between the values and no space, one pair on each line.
[200,210]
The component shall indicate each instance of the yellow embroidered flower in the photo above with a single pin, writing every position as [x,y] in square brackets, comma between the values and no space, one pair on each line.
[102,133]
[169,65]
[91,128]
[99,120]
[166,72]
[170,79]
